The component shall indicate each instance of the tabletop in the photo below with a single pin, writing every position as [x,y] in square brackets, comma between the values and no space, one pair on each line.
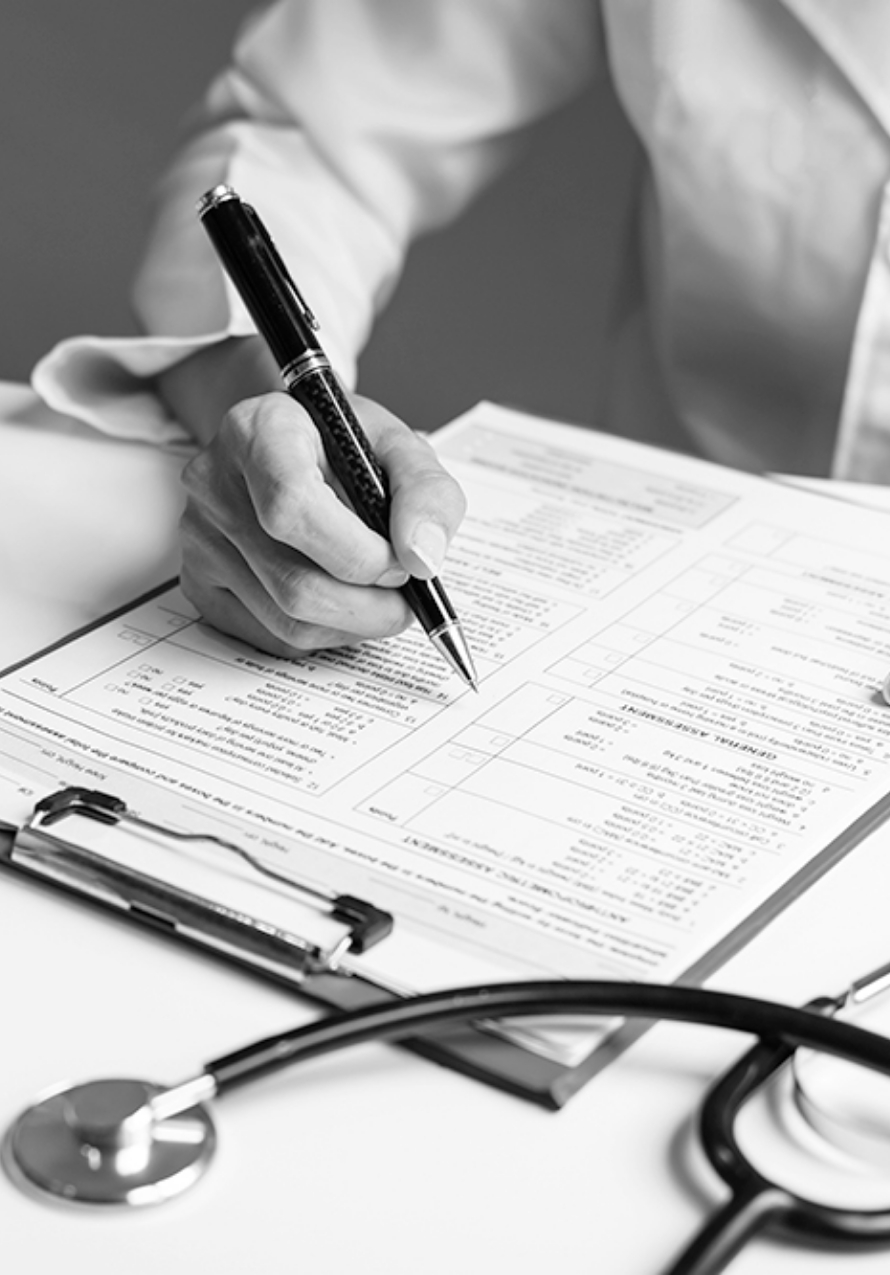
[373,1159]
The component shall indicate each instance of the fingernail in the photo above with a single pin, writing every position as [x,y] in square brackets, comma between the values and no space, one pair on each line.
[393,578]
[429,545]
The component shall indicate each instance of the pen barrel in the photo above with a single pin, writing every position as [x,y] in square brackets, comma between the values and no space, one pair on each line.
[352,459]
[346,445]
[283,319]
[429,603]
[254,265]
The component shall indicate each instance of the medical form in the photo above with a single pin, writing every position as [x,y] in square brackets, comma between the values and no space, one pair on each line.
[679,720]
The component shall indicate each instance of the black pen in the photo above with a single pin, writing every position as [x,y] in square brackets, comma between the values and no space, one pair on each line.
[282,317]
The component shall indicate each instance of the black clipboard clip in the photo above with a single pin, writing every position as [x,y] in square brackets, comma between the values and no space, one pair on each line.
[39,849]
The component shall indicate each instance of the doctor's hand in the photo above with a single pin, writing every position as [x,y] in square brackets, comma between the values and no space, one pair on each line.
[271,552]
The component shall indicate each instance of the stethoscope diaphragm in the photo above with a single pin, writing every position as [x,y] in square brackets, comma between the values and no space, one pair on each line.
[103,1143]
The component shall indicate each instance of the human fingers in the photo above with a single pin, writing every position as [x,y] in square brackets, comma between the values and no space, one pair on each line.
[266,469]
[318,612]
[427,503]
[260,514]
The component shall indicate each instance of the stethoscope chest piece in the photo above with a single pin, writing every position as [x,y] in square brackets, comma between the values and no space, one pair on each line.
[102,1142]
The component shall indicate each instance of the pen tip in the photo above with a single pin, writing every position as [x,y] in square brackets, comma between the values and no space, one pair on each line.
[451,643]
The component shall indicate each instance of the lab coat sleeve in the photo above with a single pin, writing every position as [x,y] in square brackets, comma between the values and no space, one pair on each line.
[352,126]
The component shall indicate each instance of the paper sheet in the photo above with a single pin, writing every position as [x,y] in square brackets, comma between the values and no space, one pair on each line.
[679,713]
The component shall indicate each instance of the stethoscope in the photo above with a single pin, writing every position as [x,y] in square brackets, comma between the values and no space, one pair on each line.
[119,1141]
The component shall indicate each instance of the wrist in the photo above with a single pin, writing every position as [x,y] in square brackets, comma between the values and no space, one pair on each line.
[199,390]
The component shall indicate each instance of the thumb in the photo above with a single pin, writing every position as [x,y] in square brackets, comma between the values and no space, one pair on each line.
[427,503]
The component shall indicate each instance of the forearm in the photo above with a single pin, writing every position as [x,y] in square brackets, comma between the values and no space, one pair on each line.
[353,128]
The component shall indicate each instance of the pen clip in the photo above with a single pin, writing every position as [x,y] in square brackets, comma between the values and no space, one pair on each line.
[277,263]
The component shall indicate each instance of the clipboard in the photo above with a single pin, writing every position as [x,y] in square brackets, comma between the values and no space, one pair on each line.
[58,845]
[706,534]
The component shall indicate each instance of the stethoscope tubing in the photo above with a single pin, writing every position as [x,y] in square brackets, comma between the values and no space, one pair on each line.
[779,1029]
[403,1019]
[756,1203]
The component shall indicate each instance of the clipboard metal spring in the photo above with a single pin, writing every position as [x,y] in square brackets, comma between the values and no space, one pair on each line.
[366,924]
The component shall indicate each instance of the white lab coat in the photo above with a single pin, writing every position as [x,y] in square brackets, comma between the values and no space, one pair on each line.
[354,125]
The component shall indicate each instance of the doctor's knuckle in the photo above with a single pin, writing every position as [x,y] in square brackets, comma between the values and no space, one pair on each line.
[357,563]
[196,473]
[298,592]
[281,514]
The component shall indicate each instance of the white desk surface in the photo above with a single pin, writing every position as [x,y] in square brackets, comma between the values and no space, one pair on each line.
[372,1160]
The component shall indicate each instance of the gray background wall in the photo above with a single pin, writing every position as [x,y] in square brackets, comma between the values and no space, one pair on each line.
[91,95]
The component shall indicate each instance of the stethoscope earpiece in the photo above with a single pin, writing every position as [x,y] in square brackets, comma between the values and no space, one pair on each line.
[103,1142]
